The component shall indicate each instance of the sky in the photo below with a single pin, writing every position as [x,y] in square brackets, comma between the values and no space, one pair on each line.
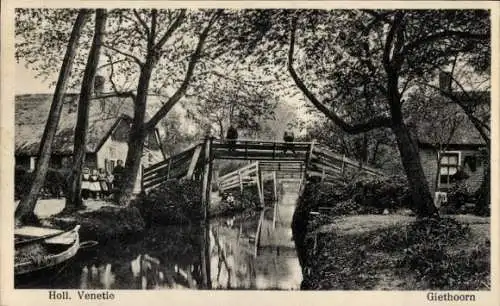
[26,82]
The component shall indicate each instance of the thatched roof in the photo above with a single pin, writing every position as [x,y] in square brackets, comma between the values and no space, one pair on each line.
[446,123]
[31,112]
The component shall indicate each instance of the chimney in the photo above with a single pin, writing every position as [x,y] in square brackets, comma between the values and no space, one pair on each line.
[98,85]
[445,81]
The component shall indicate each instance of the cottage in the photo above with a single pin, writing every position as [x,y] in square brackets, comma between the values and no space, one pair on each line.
[109,124]
[451,147]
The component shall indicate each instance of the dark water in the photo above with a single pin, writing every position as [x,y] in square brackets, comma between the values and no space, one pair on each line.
[171,257]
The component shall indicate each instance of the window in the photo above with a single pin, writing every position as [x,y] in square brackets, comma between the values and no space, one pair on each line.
[449,167]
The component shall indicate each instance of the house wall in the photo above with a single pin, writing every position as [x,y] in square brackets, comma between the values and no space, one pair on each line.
[111,150]
[115,148]
[428,159]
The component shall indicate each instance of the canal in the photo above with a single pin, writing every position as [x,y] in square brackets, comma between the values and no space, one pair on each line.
[174,257]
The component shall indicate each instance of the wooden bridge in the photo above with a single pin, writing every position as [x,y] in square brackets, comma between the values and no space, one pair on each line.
[300,160]
[268,161]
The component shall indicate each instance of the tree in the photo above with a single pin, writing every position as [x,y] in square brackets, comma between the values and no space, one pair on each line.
[223,101]
[374,147]
[25,210]
[356,66]
[392,49]
[469,90]
[74,193]
[177,136]
[439,119]
[155,52]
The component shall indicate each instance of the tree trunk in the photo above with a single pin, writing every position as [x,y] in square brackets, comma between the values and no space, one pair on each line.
[364,151]
[137,134]
[483,201]
[74,196]
[375,152]
[419,188]
[25,210]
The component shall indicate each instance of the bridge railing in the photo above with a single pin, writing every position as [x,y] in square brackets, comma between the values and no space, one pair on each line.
[239,178]
[260,150]
[292,158]
[175,167]
[330,165]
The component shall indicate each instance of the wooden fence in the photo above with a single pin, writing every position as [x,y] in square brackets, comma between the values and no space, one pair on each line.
[330,166]
[288,160]
[261,150]
[178,166]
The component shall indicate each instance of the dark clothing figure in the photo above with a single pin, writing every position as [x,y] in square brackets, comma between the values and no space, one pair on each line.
[86,183]
[103,183]
[288,137]
[118,172]
[231,136]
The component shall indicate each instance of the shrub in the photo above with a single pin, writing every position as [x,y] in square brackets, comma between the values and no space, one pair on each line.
[361,196]
[427,254]
[173,202]
[55,186]
[105,224]
[241,201]
[382,193]
[459,195]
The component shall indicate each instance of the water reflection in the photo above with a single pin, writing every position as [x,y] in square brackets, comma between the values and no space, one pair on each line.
[180,257]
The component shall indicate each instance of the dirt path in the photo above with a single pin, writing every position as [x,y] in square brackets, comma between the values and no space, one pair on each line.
[347,255]
[347,225]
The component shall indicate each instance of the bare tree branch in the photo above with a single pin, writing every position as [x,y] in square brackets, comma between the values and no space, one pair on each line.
[111,63]
[151,38]
[389,41]
[142,23]
[113,84]
[478,124]
[171,29]
[133,57]
[441,35]
[163,111]
[377,122]
[118,94]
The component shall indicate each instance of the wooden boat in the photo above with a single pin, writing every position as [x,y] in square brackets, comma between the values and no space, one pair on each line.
[38,249]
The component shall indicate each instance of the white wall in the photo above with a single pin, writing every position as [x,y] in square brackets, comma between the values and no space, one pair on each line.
[116,150]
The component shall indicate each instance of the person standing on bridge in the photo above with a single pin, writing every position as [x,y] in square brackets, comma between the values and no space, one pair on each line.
[232,136]
[288,137]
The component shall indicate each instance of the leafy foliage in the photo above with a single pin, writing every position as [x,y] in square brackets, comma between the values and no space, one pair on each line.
[459,195]
[55,186]
[224,101]
[421,255]
[360,196]
[104,225]
[173,202]
[245,201]
[356,66]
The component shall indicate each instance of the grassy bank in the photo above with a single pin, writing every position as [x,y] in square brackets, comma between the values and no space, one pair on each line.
[393,252]
[104,224]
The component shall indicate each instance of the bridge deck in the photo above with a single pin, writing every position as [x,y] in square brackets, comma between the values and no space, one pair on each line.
[282,157]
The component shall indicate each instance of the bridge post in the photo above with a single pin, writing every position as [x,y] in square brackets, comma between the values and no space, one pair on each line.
[207,178]
[142,178]
[275,200]
[261,184]
[205,204]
